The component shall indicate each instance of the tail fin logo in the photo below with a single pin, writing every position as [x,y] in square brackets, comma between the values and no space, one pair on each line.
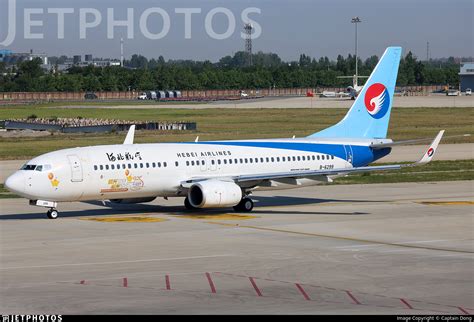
[430,152]
[377,100]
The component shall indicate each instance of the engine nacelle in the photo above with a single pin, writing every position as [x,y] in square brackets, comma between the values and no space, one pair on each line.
[214,194]
[132,200]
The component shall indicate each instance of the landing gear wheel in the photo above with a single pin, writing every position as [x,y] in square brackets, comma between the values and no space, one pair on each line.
[245,205]
[188,205]
[52,214]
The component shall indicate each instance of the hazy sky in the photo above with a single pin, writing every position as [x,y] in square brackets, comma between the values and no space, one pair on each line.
[317,28]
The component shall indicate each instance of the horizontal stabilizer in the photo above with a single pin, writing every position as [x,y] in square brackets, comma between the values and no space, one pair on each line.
[377,146]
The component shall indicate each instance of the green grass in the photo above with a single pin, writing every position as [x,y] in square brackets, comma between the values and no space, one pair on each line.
[228,124]
[434,171]
[5,194]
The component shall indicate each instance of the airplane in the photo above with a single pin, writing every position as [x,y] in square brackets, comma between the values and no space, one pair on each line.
[220,174]
[354,90]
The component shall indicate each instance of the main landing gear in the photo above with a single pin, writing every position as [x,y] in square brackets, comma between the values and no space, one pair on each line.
[188,205]
[52,213]
[245,205]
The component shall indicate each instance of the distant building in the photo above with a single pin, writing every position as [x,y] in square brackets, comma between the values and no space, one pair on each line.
[43,57]
[100,63]
[77,59]
[4,53]
[88,58]
[466,76]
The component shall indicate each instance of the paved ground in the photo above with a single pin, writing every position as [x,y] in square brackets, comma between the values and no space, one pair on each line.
[305,102]
[320,250]
[399,154]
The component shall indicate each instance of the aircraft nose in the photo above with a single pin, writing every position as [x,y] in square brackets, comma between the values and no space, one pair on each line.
[16,183]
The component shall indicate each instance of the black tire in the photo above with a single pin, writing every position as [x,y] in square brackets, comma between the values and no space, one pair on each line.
[188,205]
[245,205]
[52,214]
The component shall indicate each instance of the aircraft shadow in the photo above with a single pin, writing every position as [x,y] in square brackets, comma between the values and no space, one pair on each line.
[261,203]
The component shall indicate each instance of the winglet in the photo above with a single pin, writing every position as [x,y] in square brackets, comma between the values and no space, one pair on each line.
[130,135]
[429,154]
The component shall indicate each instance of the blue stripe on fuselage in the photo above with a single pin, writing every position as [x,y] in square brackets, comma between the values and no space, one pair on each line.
[362,155]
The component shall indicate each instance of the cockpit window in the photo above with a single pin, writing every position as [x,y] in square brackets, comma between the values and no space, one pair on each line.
[33,167]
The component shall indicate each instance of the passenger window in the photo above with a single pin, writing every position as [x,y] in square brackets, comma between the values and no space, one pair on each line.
[176,164]
[273,159]
[112,167]
[298,158]
[204,162]
[219,161]
[262,160]
[241,160]
[246,160]
[230,161]
[106,167]
[278,159]
[251,160]
[101,167]
[332,157]
[141,165]
[213,162]
[153,165]
[135,165]
[225,161]
[283,159]
[165,164]
[294,158]
[304,158]
[268,159]
[129,165]
[95,168]
[159,164]
[322,157]
[187,163]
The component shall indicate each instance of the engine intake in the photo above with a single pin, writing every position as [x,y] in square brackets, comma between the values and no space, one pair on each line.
[214,194]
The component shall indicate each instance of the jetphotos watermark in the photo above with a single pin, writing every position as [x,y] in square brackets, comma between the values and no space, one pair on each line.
[136,22]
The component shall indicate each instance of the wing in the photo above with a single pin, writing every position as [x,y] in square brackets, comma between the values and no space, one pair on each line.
[427,157]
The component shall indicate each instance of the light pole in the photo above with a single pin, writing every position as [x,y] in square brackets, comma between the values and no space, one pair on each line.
[355,21]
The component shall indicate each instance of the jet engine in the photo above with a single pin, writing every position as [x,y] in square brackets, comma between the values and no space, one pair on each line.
[214,194]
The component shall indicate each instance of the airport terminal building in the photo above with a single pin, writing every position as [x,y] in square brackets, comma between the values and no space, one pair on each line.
[466,76]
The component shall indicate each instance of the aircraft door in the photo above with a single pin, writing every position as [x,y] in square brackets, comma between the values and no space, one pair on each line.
[349,153]
[76,168]
[213,164]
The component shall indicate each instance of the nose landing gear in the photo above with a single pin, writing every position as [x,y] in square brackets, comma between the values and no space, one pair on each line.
[52,212]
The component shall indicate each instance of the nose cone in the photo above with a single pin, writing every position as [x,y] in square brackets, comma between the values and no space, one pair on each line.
[16,183]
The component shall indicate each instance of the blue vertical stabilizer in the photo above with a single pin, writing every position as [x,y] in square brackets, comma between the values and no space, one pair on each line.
[369,116]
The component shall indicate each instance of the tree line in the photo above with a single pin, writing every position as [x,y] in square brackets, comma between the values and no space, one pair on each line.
[230,72]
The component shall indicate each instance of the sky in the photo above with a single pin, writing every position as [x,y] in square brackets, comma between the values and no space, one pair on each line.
[289,28]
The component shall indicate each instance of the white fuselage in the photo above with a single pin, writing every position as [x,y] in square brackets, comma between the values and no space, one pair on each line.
[159,170]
